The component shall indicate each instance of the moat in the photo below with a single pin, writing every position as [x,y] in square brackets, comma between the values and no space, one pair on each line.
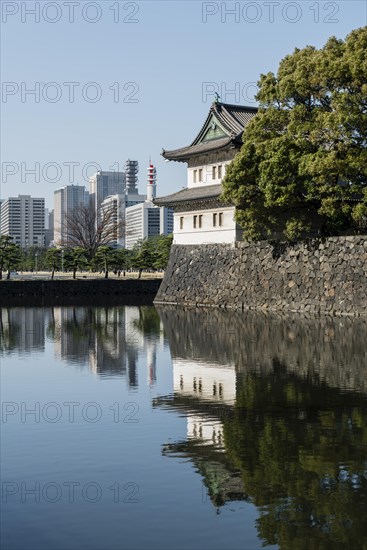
[122,426]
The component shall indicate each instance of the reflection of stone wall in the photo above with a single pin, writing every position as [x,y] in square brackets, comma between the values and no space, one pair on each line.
[91,292]
[319,276]
[330,348]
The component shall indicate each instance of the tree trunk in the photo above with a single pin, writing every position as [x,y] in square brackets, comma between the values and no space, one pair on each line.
[74,273]
[1,274]
[8,275]
[53,273]
[106,274]
[140,272]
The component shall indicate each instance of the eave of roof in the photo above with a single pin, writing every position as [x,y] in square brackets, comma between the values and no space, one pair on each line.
[185,153]
[188,194]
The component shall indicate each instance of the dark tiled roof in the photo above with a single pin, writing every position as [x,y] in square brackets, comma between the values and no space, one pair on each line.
[190,150]
[190,194]
[233,119]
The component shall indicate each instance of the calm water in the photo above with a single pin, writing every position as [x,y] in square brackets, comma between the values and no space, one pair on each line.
[142,428]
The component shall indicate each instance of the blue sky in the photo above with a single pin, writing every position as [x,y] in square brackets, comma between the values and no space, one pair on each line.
[147,65]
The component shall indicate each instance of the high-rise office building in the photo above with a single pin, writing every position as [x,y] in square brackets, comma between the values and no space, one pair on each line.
[67,200]
[104,184]
[131,169]
[23,218]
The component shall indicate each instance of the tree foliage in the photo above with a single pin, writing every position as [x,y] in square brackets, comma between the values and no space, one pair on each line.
[53,260]
[10,255]
[75,259]
[303,163]
[151,253]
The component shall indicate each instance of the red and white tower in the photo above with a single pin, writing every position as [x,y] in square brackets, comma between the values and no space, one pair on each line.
[152,182]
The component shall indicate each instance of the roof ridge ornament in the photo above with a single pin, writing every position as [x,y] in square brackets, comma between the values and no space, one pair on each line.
[217,97]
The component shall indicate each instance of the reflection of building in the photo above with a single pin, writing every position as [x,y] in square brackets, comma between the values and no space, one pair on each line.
[209,381]
[74,334]
[151,363]
[107,340]
[278,377]
[206,392]
[23,218]
[25,328]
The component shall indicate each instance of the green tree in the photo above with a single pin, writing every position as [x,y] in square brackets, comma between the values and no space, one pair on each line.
[53,260]
[162,251]
[10,255]
[303,163]
[34,258]
[144,256]
[105,259]
[121,259]
[76,259]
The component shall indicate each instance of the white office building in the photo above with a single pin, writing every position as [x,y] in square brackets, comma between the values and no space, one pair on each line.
[23,218]
[146,219]
[116,205]
[67,200]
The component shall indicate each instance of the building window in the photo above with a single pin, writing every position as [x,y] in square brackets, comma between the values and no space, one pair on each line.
[220,219]
[219,172]
[195,175]
[200,174]
[181,222]
[200,221]
[214,220]
[195,219]
[214,173]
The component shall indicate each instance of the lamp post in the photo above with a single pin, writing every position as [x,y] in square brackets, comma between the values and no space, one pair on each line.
[36,259]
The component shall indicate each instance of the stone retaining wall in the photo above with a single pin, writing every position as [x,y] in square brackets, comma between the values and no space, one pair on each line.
[323,276]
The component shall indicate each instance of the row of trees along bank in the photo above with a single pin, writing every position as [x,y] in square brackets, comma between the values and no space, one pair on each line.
[149,254]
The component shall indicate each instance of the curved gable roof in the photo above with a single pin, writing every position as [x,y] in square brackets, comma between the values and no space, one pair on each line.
[232,119]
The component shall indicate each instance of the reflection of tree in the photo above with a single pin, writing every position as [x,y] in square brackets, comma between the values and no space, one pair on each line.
[149,322]
[301,450]
[9,332]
